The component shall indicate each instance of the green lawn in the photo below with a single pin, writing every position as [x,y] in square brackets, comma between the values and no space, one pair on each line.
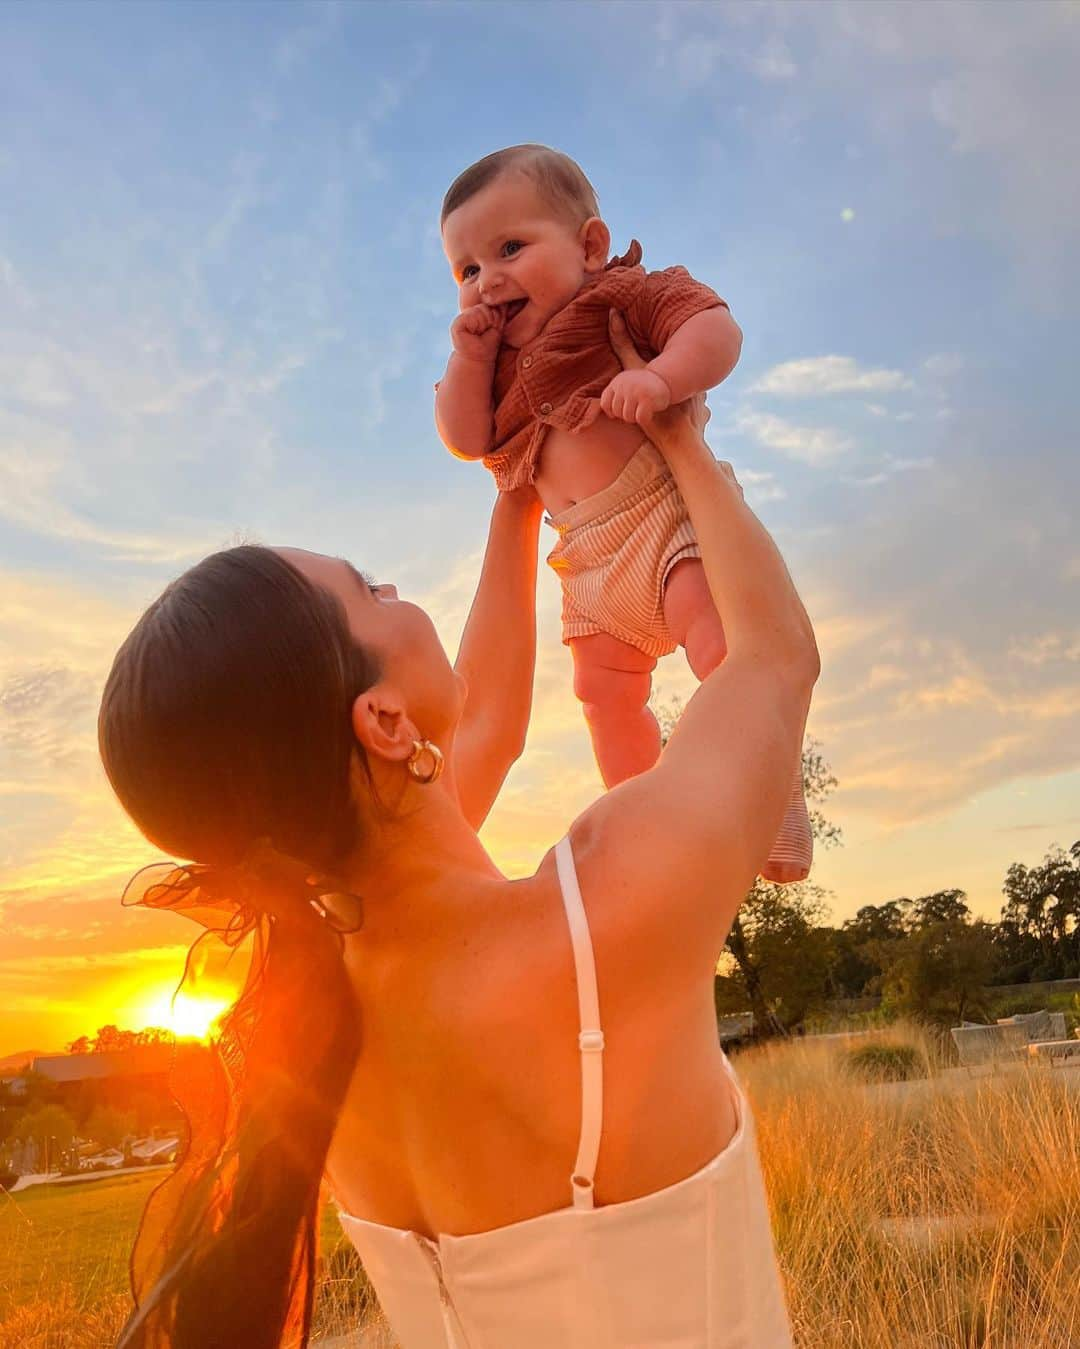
[64,1264]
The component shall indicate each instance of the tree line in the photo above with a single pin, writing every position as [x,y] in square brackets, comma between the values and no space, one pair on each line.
[927,957]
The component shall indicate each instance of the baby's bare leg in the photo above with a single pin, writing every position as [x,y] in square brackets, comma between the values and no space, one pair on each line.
[694,623]
[613,679]
[691,617]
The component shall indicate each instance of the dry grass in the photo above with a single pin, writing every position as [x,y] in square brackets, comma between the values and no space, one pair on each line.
[943,1212]
[912,1215]
[64,1260]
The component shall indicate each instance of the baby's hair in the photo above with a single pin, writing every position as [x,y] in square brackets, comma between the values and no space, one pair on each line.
[560,181]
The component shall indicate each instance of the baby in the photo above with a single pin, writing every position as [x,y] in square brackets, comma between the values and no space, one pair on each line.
[533,387]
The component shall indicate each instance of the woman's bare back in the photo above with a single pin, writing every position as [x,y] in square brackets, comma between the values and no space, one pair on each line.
[464,1110]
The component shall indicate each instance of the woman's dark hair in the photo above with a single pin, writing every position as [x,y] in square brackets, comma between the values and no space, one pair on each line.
[226,723]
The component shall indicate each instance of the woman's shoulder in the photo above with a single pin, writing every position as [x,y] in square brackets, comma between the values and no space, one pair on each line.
[666,906]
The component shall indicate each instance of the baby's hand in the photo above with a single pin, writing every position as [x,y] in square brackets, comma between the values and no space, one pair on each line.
[477,331]
[634,394]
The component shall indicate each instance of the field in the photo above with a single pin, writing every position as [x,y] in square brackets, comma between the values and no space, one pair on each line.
[928,1214]
[64,1259]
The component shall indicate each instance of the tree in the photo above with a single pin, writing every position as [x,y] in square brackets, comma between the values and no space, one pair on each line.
[52,1130]
[108,1127]
[1040,920]
[780,953]
[939,971]
[111,1040]
[849,967]
[869,935]
[777,955]
[945,906]
[37,1090]
[878,930]
[880,922]
[155,1035]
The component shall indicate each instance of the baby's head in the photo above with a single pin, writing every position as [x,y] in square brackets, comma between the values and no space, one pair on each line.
[521,229]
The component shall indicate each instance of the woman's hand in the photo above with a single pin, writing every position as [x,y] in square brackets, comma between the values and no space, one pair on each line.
[677,426]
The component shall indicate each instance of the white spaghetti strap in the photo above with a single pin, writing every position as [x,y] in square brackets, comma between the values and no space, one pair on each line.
[590,1037]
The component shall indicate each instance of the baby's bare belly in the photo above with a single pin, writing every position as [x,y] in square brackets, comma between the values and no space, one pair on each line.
[576,465]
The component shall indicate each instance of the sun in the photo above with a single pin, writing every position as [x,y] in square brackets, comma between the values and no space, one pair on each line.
[189,1018]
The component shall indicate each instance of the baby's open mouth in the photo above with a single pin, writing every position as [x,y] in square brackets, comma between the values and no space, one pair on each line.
[513,308]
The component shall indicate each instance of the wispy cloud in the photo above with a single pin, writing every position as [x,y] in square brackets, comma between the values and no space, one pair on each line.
[297,46]
[890,467]
[814,445]
[818,375]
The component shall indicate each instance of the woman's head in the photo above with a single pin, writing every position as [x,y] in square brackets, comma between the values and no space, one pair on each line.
[260,698]
[233,710]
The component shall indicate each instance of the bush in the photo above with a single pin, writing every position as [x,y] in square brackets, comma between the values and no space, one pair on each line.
[885,1063]
[7,1178]
[1019,1004]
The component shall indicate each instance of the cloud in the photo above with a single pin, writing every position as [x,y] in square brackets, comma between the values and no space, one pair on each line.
[1050,648]
[43,718]
[773,60]
[1001,95]
[60,825]
[296,46]
[817,375]
[978,116]
[925,700]
[814,445]
[760,487]
[891,466]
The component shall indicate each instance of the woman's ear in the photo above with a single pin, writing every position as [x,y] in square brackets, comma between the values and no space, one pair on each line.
[381,723]
[596,242]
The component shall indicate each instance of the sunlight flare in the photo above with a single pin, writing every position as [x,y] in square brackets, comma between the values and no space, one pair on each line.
[188,1017]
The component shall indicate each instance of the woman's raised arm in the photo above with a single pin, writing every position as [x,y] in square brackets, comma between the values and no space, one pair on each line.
[498,655]
[688,837]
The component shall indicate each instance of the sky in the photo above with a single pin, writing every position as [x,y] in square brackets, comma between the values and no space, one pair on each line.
[223,305]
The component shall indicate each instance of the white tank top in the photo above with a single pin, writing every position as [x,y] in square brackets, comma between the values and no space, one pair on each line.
[690,1266]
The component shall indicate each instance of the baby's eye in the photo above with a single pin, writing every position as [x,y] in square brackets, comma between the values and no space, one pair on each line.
[467,273]
[511,247]
[370,582]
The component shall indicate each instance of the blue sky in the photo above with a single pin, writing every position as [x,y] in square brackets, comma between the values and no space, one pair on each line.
[223,305]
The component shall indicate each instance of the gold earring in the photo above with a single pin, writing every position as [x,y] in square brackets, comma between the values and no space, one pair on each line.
[420,748]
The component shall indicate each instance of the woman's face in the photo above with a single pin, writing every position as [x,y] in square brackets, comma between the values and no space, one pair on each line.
[400,634]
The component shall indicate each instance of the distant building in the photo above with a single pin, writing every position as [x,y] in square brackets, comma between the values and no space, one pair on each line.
[124,1079]
[738,1026]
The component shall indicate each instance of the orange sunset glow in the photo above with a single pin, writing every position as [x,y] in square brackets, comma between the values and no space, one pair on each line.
[146,424]
[189,1018]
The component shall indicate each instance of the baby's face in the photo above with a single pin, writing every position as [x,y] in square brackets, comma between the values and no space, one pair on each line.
[506,246]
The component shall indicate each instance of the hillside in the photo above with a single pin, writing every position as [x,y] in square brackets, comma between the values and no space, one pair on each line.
[16,1063]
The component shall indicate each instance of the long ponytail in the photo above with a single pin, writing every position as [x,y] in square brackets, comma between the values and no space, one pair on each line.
[225,721]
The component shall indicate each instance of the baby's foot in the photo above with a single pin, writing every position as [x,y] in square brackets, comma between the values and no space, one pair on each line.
[793,850]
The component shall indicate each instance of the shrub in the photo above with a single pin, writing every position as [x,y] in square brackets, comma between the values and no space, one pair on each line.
[885,1063]
[1019,1004]
[7,1178]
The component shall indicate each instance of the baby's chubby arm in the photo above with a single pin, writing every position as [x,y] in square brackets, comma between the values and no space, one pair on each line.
[700,353]
[464,402]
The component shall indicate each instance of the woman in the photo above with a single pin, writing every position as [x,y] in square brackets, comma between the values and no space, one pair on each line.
[439,1041]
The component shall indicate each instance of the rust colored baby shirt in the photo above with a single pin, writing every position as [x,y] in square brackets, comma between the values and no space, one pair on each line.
[553,380]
